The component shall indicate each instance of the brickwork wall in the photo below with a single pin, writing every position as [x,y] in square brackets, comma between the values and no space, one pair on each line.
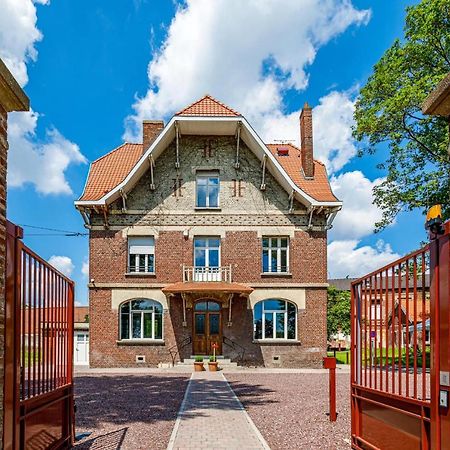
[3,160]
[240,249]
[106,351]
[239,221]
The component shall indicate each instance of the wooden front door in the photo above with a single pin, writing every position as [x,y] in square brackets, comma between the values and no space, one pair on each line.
[207,327]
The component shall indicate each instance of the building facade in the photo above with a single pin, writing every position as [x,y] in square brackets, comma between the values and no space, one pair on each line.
[203,236]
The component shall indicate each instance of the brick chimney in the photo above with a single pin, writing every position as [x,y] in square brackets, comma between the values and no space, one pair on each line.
[150,131]
[306,141]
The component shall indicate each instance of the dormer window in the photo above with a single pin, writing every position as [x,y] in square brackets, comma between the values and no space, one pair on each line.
[283,150]
[207,190]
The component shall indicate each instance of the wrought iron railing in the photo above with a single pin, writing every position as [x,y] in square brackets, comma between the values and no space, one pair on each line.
[195,273]
[176,349]
[236,347]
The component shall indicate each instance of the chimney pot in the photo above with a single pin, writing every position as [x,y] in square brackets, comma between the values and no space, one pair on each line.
[306,141]
[151,129]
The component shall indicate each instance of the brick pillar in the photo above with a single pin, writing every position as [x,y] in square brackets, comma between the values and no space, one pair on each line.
[12,98]
[306,140]
[150,131]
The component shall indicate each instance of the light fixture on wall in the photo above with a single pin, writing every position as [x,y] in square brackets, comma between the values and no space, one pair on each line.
[186,234]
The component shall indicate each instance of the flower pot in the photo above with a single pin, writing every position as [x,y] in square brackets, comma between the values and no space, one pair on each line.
[213,366]
[198,367]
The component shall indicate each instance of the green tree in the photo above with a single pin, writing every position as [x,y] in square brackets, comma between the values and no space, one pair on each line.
[388,111]
[338,311]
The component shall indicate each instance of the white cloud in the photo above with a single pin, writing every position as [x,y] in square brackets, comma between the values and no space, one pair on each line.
[40,162]
[345,258]
[18,35]
[63,263]
[358,215]
[333,119]
[234,51]
[85,268]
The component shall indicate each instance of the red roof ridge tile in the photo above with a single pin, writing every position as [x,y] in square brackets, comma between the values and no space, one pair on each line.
[205,97]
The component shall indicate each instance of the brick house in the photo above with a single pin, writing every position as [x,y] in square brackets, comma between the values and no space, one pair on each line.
[202,234]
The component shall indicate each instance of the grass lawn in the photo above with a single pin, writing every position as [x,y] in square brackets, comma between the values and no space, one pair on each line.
[386,357]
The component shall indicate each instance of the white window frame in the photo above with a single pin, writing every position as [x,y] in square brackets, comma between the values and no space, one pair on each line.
[270,249]
[142,312]
[208,274]
[207,176]
[147,244]
[274,313]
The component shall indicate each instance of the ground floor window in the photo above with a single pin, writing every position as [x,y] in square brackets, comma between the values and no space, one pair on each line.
[275,319]
[141,319]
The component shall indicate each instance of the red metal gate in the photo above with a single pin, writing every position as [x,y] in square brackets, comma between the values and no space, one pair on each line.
[400,316]
[38,400]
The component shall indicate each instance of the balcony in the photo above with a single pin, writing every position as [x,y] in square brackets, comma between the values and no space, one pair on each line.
[201,274]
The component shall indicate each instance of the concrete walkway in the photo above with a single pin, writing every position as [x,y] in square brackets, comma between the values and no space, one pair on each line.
[212,417]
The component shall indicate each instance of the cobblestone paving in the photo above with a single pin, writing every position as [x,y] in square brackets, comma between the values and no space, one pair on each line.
[211,417]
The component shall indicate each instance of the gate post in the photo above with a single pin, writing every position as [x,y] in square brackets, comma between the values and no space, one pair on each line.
[330,364]
[440,339]
[11,428]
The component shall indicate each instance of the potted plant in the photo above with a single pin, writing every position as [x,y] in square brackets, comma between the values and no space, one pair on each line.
[212,364]
[198,364]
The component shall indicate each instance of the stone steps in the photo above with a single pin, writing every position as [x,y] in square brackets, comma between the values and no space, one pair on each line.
[223,362]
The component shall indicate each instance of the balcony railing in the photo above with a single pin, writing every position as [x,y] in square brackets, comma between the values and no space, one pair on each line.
[192,273]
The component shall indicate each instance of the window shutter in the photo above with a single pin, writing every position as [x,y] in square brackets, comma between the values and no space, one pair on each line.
[141,245]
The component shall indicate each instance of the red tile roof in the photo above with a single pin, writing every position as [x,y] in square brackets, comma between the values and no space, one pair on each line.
[80,313]
[318,187]
[110,170]
[208,106]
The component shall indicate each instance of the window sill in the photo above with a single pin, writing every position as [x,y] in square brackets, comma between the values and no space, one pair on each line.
[140,274]
[141,342]
[207,208]
[276,342]
[277,274]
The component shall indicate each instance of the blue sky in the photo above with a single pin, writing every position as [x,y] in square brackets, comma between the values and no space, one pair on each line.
[88,80]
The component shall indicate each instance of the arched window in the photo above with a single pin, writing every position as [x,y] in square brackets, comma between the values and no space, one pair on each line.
[275,319]
[141,319]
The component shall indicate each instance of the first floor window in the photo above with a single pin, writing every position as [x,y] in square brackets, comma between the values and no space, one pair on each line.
[141,319]
[275,319]
[141,254]
[275,254]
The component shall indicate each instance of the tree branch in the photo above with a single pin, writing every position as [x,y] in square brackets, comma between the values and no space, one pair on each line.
[418,141]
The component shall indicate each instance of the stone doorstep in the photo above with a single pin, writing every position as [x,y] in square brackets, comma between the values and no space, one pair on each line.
[223,362]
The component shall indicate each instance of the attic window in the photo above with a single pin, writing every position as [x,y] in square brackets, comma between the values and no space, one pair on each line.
[283,151]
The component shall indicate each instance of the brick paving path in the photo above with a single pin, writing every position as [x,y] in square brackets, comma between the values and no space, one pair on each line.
[211,417]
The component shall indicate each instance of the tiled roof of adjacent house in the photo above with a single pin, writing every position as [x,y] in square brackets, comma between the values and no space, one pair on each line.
[207,106]
[317,187]
[110,170]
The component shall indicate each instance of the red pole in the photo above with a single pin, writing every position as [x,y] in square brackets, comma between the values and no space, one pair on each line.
[330,364]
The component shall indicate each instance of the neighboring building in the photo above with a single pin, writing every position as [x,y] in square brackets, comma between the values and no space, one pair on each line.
[81,335]
[41,323]
[378,307]
[204,235]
